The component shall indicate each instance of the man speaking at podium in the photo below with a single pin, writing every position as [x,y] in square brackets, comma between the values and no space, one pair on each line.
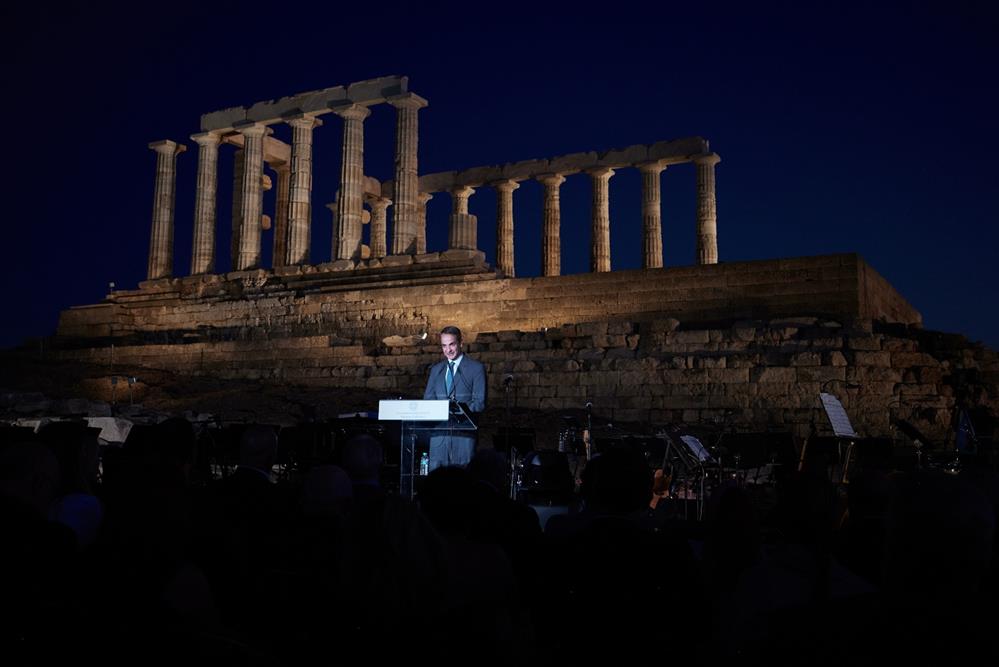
[461,379]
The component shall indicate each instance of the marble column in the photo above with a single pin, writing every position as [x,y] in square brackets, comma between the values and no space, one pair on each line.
[707,212]
[462,232]
[405,214]
[652,227]
[600,257]
[300,191]
[280,255]
[551,245]
[350,200]
[379,214]
[237,206]
[161,238]
[252,202]
[504,226]
[205,203]
[421,222]
[334,227]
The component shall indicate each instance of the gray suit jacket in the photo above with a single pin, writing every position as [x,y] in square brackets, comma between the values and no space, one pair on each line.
[469,383]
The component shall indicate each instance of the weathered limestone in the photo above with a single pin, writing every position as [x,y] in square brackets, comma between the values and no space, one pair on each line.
[313,102]
[551,247]
[350,202]
[600,259]
[252,198]
[161,238]
[676,151]
[840,287]
[379,213]
[275,150]
[333,207]
[237,205]
[405,215]
[652,231]
[205,203]
[279,256]
[300,193]
[462,232]
[707,215]
[421,227]
[504,226]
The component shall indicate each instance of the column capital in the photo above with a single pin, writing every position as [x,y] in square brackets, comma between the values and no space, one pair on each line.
[376,201]
[551,180]
[350,111]
[651,166]
[709,159]
[462,191]
[407,101]
[253,130]
[167,147]
[599,172]
[207,138]
[504,185]
[424,197]
[303,121]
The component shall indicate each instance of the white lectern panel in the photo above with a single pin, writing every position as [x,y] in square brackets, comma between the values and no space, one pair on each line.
[413,411]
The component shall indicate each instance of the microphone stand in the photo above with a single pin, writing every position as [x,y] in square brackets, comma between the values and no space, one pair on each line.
[589,430]
[511,451]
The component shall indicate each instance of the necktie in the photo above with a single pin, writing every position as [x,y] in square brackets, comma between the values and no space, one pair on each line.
[449,378]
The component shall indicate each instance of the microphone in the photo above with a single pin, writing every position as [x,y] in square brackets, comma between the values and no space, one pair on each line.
[507,379]
[589,406]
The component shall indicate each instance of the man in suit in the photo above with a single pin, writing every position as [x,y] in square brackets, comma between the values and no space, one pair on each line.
[462,379]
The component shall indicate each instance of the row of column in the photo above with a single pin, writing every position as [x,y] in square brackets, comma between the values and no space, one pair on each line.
[294,195]
[462,225]
[294,188]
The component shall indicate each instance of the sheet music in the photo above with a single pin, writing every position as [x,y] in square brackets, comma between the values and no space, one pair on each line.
[695,446]
[837,416]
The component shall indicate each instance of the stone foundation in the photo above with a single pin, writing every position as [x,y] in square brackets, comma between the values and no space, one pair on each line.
[751,343]
[756,376]
[371,303]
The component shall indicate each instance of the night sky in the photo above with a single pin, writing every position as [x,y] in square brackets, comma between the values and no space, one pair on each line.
[842,128]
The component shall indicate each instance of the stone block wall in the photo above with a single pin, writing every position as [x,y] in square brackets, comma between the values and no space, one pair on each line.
[371,304]
[750,344]
[754,375]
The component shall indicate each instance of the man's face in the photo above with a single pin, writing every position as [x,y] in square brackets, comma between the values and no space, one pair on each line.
[450,346]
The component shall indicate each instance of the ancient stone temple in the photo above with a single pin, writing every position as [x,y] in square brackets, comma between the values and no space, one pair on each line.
[249,130]
[753,342]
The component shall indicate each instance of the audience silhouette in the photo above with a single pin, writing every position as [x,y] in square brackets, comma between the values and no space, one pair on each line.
[325,558]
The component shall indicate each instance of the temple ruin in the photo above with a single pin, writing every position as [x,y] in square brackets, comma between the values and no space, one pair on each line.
[248,131]
[757,340]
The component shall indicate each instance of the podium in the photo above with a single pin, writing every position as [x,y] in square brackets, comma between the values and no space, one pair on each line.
[422,417]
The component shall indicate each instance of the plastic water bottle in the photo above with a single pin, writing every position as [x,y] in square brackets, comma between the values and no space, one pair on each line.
[424,464]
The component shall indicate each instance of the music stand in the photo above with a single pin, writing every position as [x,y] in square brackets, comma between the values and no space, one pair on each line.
[842,432]
[838,420]
[684,451]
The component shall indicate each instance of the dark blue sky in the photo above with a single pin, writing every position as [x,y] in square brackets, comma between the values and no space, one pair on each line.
[841,128]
